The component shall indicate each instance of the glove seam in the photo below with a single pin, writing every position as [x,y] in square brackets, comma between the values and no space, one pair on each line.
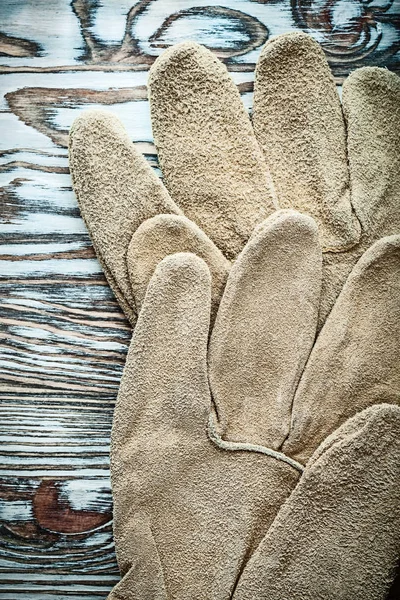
[246,447]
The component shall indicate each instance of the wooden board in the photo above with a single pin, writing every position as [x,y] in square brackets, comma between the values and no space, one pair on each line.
[62,336]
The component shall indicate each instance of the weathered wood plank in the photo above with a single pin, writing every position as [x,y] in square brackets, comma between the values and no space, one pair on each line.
[63,338]
[129,34]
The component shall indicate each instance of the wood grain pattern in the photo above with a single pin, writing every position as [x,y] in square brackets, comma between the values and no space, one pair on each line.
[63,338]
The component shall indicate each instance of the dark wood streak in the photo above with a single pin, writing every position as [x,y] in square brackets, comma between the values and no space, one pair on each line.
[248,26]
[14,46]
[53,513]
[27,165]
[108,68]
[35,106]
[356,43]
[85,253]
[96,50]
[129,49]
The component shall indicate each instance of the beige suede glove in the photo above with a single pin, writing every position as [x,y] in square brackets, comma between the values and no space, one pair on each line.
[192,510]
[343,171]
[216,173]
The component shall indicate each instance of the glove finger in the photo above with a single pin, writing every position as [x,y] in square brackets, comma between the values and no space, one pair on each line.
[116,191]
[299,125]
[162,235]
[265,329]
[371,103]
[164,386]
[211,162]
[337,535]
[356,357]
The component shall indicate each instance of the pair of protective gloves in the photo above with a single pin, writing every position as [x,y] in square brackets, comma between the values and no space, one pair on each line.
[256,436]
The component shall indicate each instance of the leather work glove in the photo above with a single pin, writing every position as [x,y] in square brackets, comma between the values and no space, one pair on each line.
[216,173]
[273,388]
[197,516]
[343,170]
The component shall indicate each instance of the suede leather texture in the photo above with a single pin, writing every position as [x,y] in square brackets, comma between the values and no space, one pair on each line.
[211,162]
[337,537]
[193,520]
[204,507]
[276,383]
[337,164]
